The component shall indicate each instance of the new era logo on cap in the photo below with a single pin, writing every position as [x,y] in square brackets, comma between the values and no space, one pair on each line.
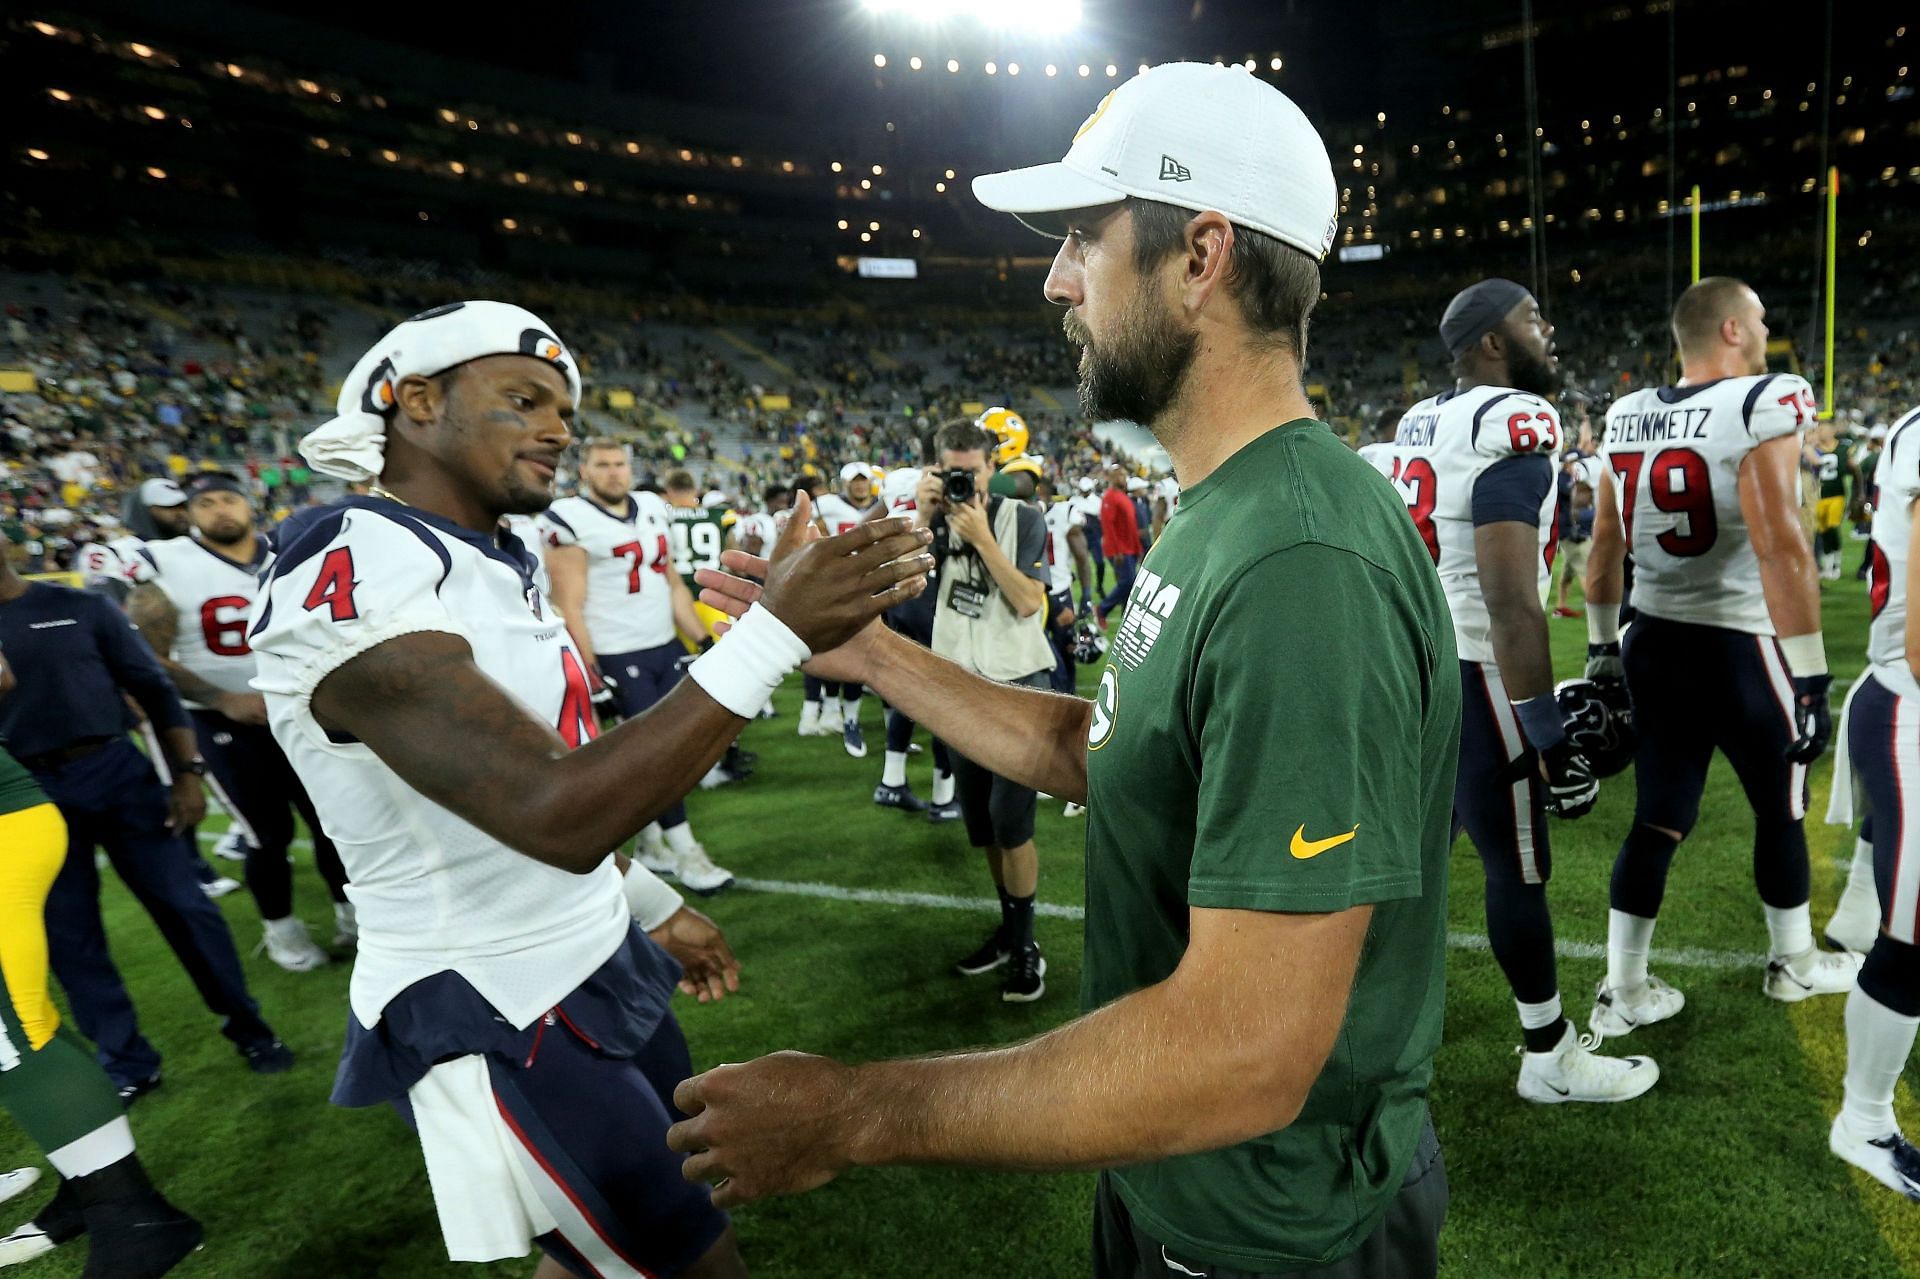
[1171,170]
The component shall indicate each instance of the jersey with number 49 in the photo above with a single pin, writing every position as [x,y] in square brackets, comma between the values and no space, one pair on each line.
[434,893]
[1675,454]
[1896,479]
[1440,460]
[629,599]
[699,535]
[212,600]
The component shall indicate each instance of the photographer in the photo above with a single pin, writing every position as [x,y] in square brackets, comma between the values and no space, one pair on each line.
[992,575]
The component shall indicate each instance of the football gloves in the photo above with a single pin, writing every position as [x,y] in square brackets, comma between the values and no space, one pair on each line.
[1571,786]
[1812,718]
[1604,665]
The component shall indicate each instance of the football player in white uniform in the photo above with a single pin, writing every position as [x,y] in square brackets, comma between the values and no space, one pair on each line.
[834,709]
[191,606]
[1700,483]
[613,578]
[761,528]
[1475,466]
[157,512]
[913,619]
[504,998]
[1067,559]
[1883,737]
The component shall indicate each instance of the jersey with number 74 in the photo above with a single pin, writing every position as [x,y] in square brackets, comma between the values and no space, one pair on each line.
[1674,454]
[1444,449]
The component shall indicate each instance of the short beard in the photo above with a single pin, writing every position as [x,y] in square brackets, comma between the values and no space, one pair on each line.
[1134,375]
[1531,373]
[239,536]
[617,496]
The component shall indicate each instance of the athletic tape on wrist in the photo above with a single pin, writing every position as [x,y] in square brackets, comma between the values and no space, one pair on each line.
[650,898]
[1541,721]
[1603,623]
[749,662]
[1805,654]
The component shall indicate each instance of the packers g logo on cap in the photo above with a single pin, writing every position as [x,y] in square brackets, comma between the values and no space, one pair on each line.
[1094,119]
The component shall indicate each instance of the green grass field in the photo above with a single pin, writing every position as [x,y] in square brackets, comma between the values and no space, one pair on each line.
[1721,1171]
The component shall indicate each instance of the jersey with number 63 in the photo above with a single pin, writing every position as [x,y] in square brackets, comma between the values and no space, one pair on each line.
[629,603]
[1443,450]
[1674,453]
[1896,479]
[212,599]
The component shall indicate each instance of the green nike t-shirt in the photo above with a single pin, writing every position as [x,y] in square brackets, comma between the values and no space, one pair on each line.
[1276,729]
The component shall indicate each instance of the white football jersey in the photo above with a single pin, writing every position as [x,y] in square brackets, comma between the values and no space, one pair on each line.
[117,561]
[1896,481]
[1443,446]
[762,524]
[212,602]
[901,490]
[1378,455]
[839,515]
[1675,454]
[1061,520]
[629,561]
[434,893]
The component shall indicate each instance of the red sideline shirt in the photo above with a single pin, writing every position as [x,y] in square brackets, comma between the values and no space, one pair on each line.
[1119,530]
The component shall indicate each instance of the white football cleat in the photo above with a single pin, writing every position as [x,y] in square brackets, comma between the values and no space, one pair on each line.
[1572,1071]
[18,1182]
[1792,978]
[232,847]
[219,887]
[289,945]
[26,1243]
[1074,810]
[697,872]
[809,719]
[1622,1010]
[1890,1160]
[652,853]
[346,926]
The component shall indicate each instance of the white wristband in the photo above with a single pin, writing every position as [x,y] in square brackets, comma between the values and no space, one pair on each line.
[749,662]
[1603,623]
[1805,654]
[650,898]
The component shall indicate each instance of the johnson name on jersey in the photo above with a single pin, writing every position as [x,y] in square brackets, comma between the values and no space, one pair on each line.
[629,555]
[1675,454]
[212,599]
[1896,480]
[1441,454]
[433,892]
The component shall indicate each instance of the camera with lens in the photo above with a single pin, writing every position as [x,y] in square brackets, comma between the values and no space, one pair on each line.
[961,487]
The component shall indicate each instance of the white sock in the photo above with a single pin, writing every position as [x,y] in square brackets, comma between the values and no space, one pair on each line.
[943,788]
[1878,1041]
[102,1148]
[1629,938]
[1861,897]
[809,714]
[894,771]
[279,929]
[650,836]
[680,838]
[830,710]
[1789,929]
[1540,1016]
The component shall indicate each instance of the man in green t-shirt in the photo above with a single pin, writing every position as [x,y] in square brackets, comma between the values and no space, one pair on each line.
[1268,767]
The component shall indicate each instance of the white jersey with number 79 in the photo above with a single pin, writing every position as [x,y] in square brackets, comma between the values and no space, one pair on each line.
[1675,453]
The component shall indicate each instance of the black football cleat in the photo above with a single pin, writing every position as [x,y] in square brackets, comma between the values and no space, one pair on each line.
[992,954]
[900,797]
[947,812]
[130,1093]
[267,1057]
[138,1238]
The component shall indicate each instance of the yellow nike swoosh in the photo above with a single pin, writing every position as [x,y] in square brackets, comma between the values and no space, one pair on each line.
[1304,848]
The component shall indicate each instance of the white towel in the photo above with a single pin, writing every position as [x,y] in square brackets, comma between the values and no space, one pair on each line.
[352,446]
[488,1207]
[1841,800]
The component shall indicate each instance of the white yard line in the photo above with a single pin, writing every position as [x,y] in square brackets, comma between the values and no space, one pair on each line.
[1683,957]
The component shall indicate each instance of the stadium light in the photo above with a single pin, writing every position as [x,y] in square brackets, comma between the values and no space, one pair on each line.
[1013,68]
[914,63]
[992,69]
[880,60]
[953,64]
[949,175]
[153,113]
[1031,15]
[157,174]
[59,95]
[140,50]
[35,153]
[1085,70]
[866,237]
[1275,64]
[1052,71]
[873,226]
[879,171]
[836,166]
[1112,71]
[940,187]
[843,224]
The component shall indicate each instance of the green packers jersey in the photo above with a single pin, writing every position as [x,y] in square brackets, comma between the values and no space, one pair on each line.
[1833,469]
[1276,730]
[18,790]
[699,535]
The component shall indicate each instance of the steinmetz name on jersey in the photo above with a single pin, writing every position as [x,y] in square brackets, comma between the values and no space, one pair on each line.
[212,599]
[629,601]
[434,892]
[1443,448]
[1675,454]
[1896,481]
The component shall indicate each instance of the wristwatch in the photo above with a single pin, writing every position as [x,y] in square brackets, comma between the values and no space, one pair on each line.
[198,767]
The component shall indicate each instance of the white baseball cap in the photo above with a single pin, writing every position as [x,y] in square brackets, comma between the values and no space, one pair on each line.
[853,470]
[1195,136]
[1087,484]
[161,493]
